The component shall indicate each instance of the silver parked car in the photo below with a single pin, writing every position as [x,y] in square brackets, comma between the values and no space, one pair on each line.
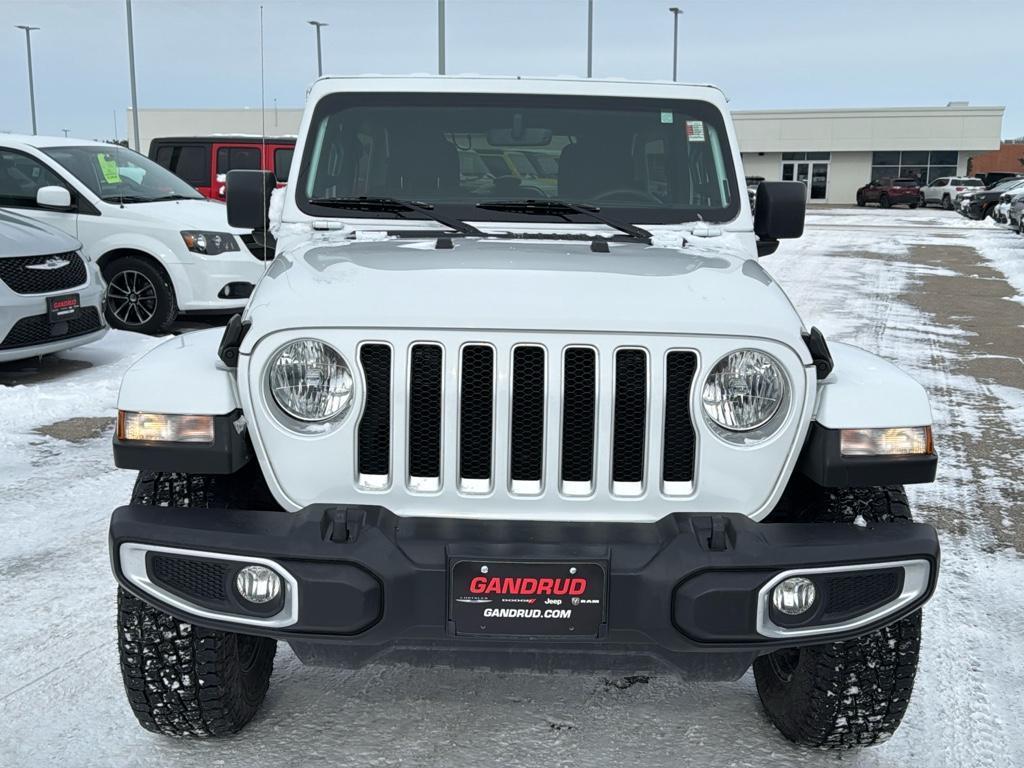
[51,296]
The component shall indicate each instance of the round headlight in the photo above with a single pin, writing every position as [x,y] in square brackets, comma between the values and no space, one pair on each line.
[310,381]
[744,390]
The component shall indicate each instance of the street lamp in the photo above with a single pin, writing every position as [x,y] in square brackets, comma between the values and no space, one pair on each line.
[675,40]
[31,82]
[319,50]
[440,37]
[131,72]
[590,38]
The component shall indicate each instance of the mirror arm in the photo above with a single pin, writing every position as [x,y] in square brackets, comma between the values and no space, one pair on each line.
[766,247]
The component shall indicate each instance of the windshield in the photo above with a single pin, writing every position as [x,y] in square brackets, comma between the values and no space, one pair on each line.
[115,174]
[638,160]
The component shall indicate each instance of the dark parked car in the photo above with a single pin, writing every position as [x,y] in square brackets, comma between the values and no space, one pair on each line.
[982,204]
[890,192]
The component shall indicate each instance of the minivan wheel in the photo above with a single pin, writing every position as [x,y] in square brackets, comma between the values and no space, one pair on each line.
[139,296]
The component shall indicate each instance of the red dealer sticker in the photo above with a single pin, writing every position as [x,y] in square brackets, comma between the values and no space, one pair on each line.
[62,308]
[527,598]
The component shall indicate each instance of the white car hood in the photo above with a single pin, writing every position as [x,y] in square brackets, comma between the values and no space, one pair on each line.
[703,288]
[208,215]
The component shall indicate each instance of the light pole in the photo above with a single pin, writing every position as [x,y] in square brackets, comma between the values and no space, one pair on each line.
[66,132]
[31,82]
[319,50]
[590,38]
[440,37]
[131,72]
[675,40]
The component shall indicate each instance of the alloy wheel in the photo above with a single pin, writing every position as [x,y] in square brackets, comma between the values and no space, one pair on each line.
[132,297]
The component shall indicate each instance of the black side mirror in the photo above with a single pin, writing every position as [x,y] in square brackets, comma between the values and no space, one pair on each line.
[248,198]
[779,213]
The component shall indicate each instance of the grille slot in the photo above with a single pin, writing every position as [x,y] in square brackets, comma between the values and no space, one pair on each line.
[375,425]
[579,412]
[20,276]
[849,594]
[425,404]
[526,441]
[37,329]
[630,422]
[199,579]
[679,452]
[476,418]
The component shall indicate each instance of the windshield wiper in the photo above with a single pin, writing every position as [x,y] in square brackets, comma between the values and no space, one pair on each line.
[394,205]
[172,197]
[562,208]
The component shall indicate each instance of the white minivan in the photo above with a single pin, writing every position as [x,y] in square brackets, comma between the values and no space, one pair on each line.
[163,248]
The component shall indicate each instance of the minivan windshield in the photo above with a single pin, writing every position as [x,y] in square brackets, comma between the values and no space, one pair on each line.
[636,160]
[120,175]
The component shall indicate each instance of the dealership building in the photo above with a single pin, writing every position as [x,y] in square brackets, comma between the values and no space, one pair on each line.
[834,151]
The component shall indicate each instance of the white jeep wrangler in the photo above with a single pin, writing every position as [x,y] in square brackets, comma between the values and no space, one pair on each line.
[516,393]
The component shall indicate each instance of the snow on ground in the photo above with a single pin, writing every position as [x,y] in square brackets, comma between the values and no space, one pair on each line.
[857,274]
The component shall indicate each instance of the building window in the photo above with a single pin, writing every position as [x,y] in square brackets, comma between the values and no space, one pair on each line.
[809,167]
[806,156]
[921,165]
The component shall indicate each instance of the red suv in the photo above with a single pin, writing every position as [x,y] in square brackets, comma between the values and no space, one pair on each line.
[890,192]
[203,161]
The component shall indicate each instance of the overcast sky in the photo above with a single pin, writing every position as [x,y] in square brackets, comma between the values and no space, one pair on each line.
[763,53]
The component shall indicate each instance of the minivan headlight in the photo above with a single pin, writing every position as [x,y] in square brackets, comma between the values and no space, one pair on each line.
[310,381]
[744,390]
[209,243]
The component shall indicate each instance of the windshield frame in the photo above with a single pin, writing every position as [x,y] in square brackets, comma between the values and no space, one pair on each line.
[468,211]
[184,191]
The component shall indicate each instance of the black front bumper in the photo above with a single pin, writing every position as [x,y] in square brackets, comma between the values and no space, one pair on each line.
[369,584]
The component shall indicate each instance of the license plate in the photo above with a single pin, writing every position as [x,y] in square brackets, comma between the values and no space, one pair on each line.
[62,308]
[527,598]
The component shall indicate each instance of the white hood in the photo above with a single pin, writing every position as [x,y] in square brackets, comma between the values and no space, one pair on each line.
[700,289]
[203,214]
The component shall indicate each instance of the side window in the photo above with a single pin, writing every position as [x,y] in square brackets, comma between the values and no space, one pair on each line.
[21,177]
[163,156]
[282,163]
[941,182]
[190,162]
[238,158]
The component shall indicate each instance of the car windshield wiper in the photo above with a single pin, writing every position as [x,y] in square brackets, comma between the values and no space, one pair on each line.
[394,205]
[562,208]
[172,197]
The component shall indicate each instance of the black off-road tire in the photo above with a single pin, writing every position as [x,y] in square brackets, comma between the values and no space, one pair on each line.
[181,679]
[853,693]
[156,306]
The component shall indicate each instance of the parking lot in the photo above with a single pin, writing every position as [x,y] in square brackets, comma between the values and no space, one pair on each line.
[926,289]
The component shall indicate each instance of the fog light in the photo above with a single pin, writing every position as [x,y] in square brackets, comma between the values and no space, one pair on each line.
[258,584]
[794,596]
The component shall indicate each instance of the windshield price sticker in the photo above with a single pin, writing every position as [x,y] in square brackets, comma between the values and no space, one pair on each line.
[108,167]
[695,130]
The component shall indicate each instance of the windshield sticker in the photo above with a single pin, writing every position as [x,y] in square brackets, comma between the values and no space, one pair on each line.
[108,167]
[695,130]
[666,117]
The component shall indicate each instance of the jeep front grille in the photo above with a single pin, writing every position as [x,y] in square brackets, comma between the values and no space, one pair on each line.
[504,424]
